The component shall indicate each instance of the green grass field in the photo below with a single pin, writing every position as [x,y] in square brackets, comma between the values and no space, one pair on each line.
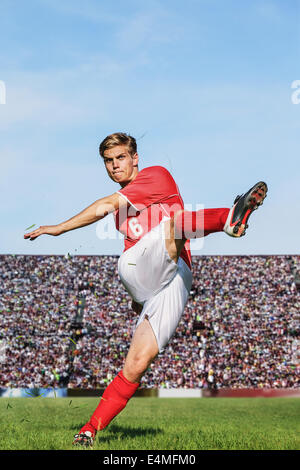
[155,424]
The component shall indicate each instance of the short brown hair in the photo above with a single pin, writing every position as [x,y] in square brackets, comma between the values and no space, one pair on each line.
[118,138]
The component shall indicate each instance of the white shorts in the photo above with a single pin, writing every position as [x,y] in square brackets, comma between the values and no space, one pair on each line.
[155,281]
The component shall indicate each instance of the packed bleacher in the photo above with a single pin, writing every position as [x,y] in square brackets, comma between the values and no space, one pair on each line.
[67,322]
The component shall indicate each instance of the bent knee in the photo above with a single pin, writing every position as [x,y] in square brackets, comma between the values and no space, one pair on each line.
[139,363]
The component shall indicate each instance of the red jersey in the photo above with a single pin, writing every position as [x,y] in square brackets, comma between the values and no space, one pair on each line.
[153,195]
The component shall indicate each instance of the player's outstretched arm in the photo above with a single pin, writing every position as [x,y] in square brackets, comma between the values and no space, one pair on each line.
[96,211]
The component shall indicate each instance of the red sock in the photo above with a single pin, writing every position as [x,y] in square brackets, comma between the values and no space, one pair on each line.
[200,223]
[113,400]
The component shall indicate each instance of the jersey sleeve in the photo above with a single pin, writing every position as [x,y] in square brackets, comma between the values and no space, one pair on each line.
[152,185]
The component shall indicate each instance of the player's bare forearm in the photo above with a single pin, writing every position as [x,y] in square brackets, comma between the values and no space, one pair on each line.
[96,211]
[91,214]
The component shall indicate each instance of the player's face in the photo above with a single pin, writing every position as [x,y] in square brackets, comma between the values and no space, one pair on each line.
[120,165]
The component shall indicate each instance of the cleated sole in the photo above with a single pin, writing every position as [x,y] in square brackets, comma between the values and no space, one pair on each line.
[83,441]
[253,200]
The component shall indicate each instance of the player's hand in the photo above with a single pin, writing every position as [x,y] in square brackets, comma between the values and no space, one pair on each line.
[54,230]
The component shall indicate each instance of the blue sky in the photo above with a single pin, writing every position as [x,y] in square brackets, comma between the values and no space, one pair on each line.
[204,85]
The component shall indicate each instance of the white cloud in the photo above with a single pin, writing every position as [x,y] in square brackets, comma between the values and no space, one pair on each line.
[59,96]
[27,105]
[272,11]
[90,10]
[150,26]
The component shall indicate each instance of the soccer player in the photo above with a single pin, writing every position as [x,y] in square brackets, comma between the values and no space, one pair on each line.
[155,267]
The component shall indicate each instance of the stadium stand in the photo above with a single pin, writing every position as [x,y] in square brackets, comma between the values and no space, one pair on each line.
[67,322]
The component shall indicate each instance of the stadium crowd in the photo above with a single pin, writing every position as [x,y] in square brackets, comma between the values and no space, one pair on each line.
[240,328]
